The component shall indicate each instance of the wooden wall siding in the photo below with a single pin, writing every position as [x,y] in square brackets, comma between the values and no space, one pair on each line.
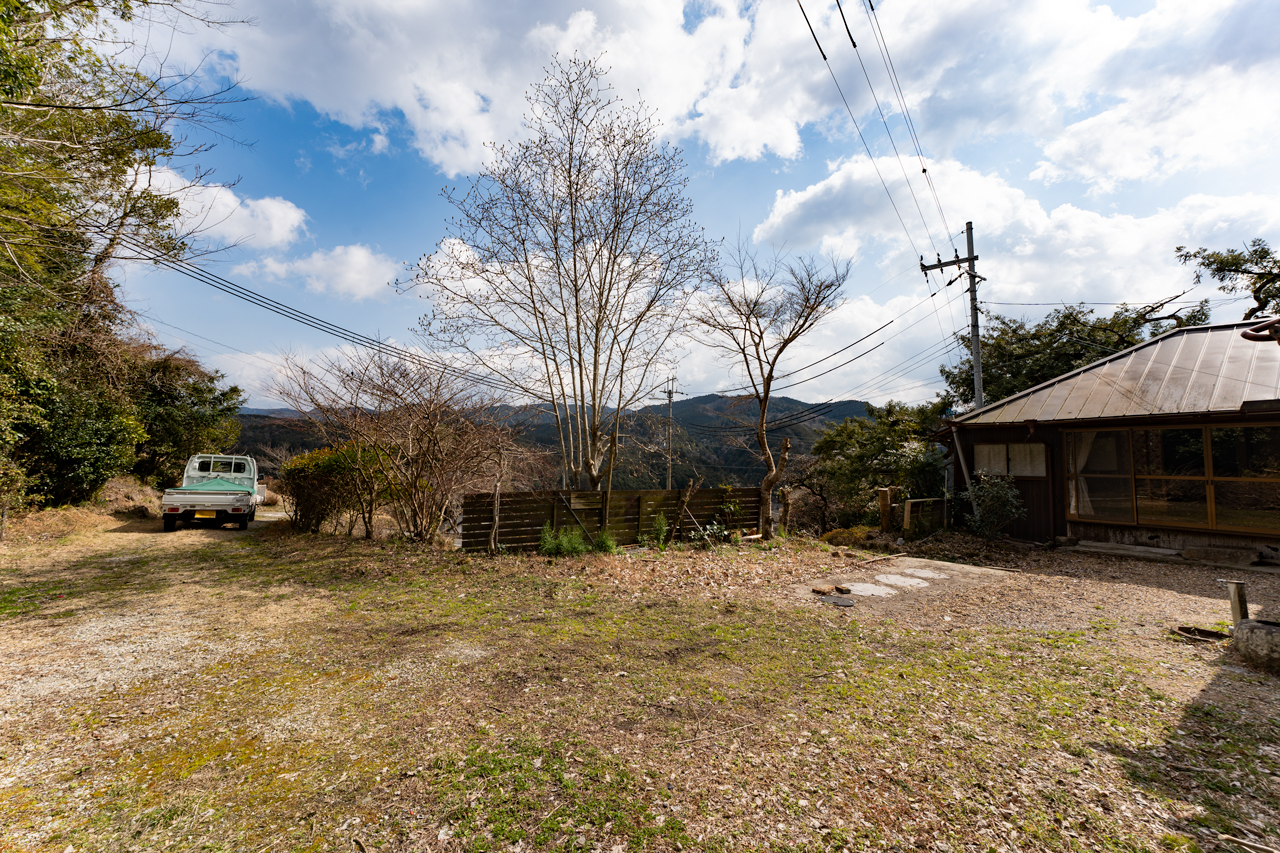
[521,515]
[1045,499]
[924,514]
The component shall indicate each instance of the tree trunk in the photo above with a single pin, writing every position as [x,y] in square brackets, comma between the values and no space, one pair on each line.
[766,490]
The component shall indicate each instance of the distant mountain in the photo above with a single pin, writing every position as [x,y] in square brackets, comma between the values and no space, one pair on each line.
[711,436]
[275,413]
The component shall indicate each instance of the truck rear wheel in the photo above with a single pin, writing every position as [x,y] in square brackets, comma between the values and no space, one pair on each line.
[170,524]
[243,525]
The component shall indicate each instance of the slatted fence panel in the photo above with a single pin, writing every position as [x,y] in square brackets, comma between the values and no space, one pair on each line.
[522,515]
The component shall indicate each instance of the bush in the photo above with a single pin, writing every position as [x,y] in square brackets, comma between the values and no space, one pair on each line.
[318,485]
[565,542]
[847,537]
[605,543]
[84,440]
[994,503]
[712,533]
[660,530]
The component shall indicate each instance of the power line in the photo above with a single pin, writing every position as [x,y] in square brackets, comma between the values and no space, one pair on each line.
[727,391]
[849,110]
[892,143]
[820,409]
[231,288]
[882,43]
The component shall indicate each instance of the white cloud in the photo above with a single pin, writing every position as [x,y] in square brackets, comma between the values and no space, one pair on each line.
[216,212]
[1028,253]
[355,272]
[1109,99]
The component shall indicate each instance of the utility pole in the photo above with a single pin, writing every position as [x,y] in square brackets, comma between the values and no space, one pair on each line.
[671,393]
[975,345]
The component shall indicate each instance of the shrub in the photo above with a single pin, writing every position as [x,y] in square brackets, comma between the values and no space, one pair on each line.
[83,441]
[318,485]
[571,542]
[847,537]
[605,543]
[712,533]
[994,504]
[565,542]
[548,545]
[660,529]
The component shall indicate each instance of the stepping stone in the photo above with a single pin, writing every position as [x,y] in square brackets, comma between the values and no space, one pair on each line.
[837,600]
[900,580]
[866,589]
[925,573]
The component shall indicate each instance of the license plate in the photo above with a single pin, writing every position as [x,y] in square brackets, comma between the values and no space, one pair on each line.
[206,513]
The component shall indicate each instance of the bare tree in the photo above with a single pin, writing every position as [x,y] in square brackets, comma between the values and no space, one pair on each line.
[754,316]
[417,436]
[570,264]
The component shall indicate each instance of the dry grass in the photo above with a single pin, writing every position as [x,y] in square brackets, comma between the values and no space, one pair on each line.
[307,693]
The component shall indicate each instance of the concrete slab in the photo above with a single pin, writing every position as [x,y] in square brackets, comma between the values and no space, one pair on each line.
[899,583]
[901,580]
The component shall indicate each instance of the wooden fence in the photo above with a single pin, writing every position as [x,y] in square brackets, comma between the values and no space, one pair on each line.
[521,515]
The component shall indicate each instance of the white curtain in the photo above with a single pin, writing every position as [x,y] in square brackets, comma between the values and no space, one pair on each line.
[1081,446]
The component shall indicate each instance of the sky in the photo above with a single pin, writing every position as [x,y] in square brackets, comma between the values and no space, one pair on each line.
[1084,141]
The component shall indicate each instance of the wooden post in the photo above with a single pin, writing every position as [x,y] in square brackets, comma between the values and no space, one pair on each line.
[1239,603]
[493,531]
[886,510]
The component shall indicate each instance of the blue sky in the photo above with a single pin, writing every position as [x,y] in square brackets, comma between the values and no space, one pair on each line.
[1084,141]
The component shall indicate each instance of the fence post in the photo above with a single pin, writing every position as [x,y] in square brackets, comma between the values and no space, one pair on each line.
[886,510]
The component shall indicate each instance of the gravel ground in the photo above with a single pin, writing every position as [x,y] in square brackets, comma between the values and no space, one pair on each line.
[206,674]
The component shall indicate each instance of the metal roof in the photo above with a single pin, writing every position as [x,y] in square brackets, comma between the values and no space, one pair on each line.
[1197,369]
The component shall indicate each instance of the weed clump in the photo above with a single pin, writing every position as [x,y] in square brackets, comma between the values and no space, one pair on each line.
[565,542]
[605,543]
[847,537]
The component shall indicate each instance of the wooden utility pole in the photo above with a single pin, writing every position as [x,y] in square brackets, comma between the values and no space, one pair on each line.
[975,345]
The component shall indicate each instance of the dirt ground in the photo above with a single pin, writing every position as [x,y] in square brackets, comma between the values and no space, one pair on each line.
[220,690]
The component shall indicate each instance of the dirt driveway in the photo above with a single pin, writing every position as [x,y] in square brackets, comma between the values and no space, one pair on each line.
[208,690]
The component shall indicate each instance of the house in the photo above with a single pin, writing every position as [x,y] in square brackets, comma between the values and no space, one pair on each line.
[1173,443]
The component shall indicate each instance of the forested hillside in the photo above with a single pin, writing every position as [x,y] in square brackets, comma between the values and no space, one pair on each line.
[707,437]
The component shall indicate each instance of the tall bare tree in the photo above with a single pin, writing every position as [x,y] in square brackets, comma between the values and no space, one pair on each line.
[570,263]
[755,314]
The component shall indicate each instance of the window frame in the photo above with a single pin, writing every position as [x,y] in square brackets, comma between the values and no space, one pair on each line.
[1207,478]
[1007,467]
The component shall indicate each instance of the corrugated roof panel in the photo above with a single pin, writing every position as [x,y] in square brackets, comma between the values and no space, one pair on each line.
[1012,411]
[1135,367]
[1205,368]
[1055,397]
[1180,374]
[1207,372]
[1264,378]
[1092,404]
[1236,367]
[1144,394]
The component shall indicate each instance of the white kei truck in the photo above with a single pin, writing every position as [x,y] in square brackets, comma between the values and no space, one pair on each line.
[215,490]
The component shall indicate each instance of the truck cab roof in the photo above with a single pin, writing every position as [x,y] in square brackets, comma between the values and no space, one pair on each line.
[203,467]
